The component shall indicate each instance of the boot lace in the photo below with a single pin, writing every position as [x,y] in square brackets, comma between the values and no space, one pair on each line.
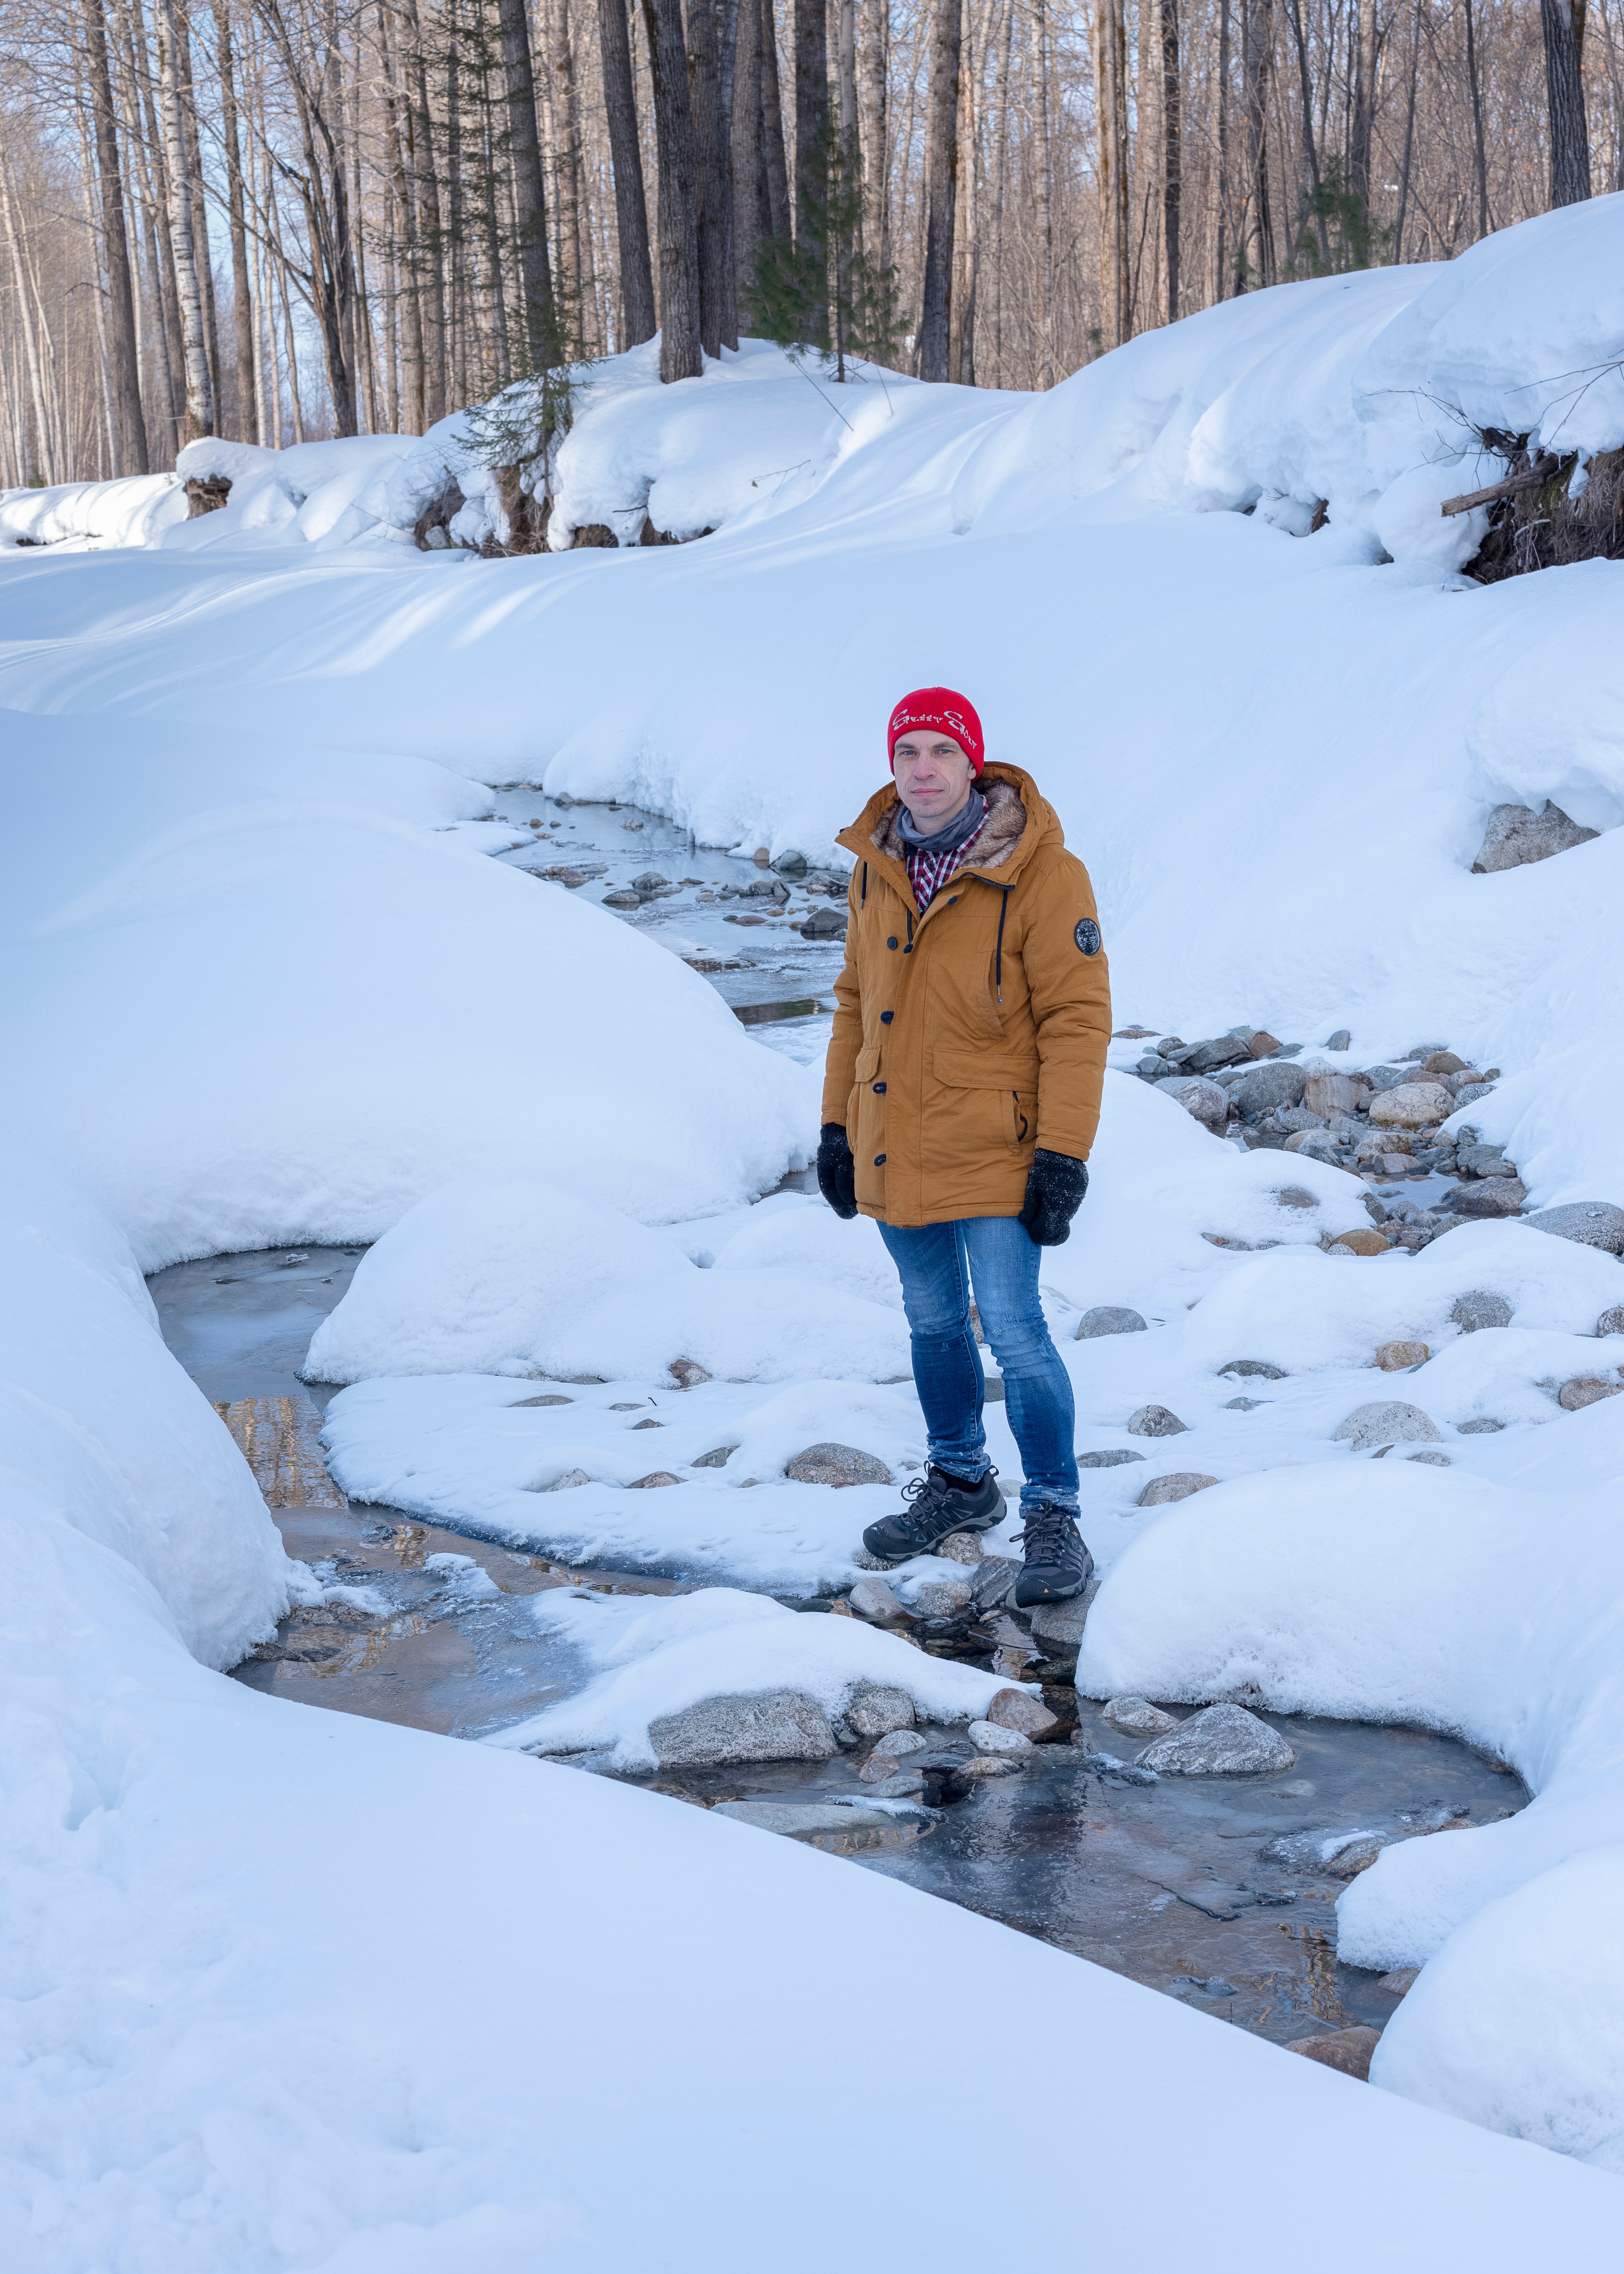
[1046,1532]
[927,1496]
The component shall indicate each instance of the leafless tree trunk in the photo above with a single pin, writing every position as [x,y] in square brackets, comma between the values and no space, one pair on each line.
[1563,25]
[1110,83]
[811,120]
[1409,132]
[1172,165]
[199,414]
[1479,146]
[1221,275]
[966,246]
[941,179]
[750,224]
[776,162]
[680,354]
[631,212]
[872,107]
[541,326]
[247,418]
[124,366]
[1044,192]
[712,172]
[1257,245]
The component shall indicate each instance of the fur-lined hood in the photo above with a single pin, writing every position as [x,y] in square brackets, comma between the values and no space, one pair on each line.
[1018,821]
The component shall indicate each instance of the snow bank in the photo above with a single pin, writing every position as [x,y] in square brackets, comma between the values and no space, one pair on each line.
[1396,1593]
[86,516]
[115,1467]
[662,1656]
[526,1275]
[312,1000]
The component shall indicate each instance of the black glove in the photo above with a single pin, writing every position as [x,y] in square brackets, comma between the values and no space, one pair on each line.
[1054,1187]
[836,1171]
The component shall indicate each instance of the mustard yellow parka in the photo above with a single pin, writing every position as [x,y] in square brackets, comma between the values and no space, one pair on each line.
[966,1037]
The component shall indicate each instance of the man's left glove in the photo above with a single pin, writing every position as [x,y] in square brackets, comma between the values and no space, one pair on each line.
[1054,1187]
[836,1171]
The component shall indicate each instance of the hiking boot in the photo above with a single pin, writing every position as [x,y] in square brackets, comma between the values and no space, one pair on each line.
[938,1505]
[1057,1564]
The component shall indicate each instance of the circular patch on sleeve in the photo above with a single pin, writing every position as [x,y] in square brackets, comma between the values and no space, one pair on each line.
[1088,935]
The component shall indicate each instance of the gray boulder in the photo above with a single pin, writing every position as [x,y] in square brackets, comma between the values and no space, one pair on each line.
[1411,1105]
[1481,1428]
[1259,1368]
[1490,1197]
[1516,834]
[1112,1458]
[994,1577]
[961,1547]
[1222,1741]
[1016,1709]
[1276,1082]
[1471,1093]
[1206,1057]
[777,1725]
[1160,1490]
[1387,1421]
[1583,1390]
[1134,1716]
[1109,1319]
[1611,1322]
[1484,1161]
[1480,1307]
[875,1710]
[873,1599]
[1593,1224]
[1155,1421]
[937,1599]
[1340,1041]
[1430,1460]
[1325,1094]
[717,1458]
[1057,1628]
[1203,1101]
[836,1465]
[897,1741]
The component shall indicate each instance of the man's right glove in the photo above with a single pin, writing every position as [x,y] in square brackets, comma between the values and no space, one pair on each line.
[836,1171]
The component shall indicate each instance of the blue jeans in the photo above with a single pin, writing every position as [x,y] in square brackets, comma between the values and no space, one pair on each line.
[939,1263]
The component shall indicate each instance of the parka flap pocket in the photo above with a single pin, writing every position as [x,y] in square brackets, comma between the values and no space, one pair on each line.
[868,1064]
[962,1069]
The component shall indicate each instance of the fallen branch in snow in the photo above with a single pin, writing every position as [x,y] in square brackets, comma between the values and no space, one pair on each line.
[1531,477]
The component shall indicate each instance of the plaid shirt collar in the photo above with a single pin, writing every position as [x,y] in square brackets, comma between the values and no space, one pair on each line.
[928,872]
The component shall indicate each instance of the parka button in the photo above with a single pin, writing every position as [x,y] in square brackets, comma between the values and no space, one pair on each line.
[879,1089]
[890,943]
[886,1017]
[879,1159]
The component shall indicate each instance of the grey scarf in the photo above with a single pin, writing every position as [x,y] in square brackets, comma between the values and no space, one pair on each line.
[956,832]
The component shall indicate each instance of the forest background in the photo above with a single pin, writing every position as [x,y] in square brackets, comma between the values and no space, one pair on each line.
[278,220]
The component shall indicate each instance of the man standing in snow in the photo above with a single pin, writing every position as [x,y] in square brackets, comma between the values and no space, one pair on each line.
[960,1099]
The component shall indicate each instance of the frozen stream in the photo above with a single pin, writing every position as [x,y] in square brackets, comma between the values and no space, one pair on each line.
[1168,1883]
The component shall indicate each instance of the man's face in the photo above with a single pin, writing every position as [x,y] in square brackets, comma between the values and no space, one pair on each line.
[933,779]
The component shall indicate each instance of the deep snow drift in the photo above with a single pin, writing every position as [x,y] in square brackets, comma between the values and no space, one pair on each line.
[262,984]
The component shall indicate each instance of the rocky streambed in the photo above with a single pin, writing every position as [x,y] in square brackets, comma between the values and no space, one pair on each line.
[1199,1852]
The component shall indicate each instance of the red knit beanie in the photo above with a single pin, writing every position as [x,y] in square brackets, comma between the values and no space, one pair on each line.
[948,713]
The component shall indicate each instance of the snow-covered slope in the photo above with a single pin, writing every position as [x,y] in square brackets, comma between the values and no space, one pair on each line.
[257,988]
